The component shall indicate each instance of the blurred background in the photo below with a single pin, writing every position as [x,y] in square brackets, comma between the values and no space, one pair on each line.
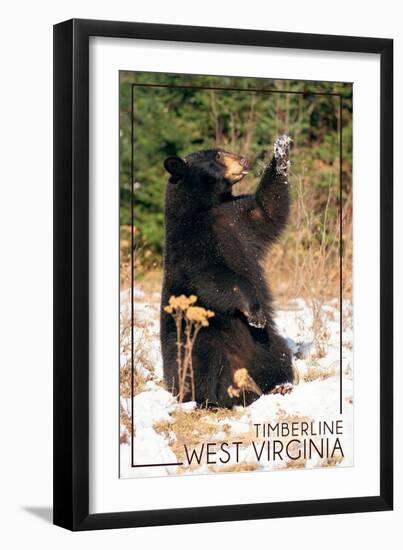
[178,114]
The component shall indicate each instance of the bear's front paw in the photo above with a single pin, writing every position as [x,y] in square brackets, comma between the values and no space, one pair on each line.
[256,318]
[282,388]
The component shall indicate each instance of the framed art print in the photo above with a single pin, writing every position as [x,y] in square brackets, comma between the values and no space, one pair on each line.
[223,274]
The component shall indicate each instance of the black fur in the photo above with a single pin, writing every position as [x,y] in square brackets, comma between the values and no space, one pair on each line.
[214,243]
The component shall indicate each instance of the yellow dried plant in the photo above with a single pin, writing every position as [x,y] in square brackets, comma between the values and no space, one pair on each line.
[189,319]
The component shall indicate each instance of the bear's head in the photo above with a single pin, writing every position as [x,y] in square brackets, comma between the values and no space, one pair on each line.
[207,173]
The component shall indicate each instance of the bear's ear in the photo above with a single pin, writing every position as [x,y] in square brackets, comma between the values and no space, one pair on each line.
[177,167]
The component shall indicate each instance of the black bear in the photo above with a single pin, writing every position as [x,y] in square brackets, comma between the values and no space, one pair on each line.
[214,245]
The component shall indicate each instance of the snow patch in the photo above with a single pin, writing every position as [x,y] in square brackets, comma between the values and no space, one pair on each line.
[311,399]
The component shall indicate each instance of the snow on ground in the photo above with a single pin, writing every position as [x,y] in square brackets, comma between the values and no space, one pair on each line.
[161,425]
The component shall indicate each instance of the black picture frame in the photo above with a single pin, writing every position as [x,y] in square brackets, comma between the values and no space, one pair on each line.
[71,274]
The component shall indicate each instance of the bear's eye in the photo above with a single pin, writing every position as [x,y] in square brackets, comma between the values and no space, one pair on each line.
[218,156]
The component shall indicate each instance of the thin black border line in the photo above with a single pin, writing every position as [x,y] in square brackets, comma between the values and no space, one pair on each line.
[132,294]
[232,89]
[222,88]
[151,465]
[341,239]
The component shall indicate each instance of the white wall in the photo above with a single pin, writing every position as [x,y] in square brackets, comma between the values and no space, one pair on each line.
[25,289]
